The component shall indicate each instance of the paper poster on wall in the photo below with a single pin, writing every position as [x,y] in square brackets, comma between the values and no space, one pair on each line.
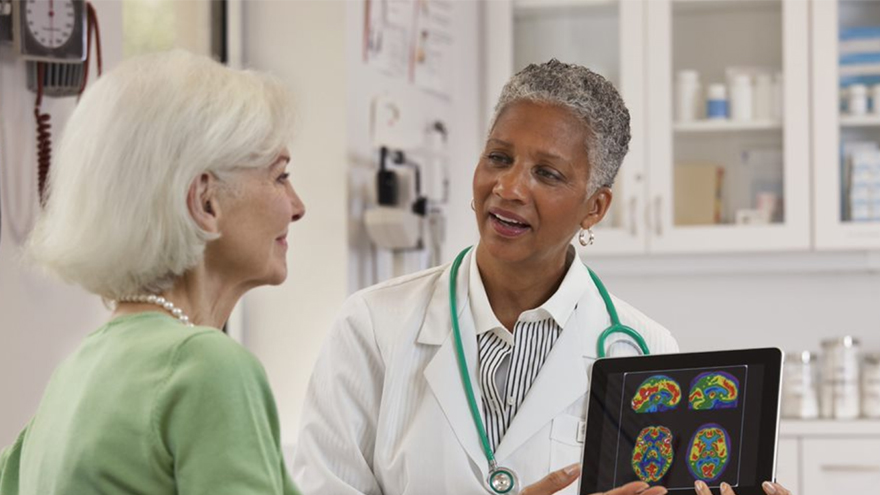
[387,35]
[432,46]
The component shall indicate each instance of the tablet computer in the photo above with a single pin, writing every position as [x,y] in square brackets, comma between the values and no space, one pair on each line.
[673,419]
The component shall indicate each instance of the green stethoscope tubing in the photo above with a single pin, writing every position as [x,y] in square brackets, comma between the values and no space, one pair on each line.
[616,327]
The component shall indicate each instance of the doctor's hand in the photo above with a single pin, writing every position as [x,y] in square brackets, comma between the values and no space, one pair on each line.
[557,480]
[769,489]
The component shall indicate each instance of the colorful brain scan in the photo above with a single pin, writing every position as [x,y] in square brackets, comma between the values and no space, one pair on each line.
[652,454]
[709,452]
[713,390]
[656,394]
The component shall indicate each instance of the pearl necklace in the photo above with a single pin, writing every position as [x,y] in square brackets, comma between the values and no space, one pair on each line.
[159,301]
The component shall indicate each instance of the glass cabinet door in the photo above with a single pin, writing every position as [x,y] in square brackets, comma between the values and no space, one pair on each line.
[846,124]
[606,36]
[728,99]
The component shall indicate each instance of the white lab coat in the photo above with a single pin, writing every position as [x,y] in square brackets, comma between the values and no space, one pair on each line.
[386,413]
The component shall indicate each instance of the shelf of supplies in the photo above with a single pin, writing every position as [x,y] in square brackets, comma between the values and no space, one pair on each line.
[726,126]
[860,120]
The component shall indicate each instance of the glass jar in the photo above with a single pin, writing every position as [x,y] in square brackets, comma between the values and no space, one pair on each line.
[840,378]
[800,399]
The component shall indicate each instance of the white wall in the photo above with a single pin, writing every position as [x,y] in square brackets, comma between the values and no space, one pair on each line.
[302,42]
[315,47]
[41,320]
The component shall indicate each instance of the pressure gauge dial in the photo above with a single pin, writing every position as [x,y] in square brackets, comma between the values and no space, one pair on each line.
[50,22]
[50,30]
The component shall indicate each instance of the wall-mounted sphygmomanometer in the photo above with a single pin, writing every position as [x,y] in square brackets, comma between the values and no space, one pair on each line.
[55,38]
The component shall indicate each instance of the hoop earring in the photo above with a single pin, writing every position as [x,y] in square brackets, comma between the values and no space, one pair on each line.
[582,238]
[472,205]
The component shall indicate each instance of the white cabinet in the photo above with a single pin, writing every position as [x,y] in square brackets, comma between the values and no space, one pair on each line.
[834,130]
[640,45]
[823,457]
[738,163]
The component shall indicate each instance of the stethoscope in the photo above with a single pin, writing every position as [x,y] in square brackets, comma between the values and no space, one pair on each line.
[502,480]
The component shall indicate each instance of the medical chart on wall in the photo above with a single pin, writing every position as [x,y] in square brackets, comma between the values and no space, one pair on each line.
[433,46]
[410,40]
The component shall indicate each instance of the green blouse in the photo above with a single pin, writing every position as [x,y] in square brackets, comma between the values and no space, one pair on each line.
[148,406]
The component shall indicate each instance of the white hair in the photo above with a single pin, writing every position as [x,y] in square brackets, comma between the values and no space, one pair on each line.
[116,221]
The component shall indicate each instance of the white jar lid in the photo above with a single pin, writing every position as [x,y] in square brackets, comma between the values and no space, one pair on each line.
[858,90]
[688,75]
[717,92]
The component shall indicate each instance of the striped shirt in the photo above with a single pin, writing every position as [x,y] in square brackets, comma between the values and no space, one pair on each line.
[509,362]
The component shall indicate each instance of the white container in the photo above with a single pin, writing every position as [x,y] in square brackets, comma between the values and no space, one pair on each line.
[688,103]
[763,107]
[741,98]
[871,386]
[875,99]
[778,97]
[716,102]
[840,378]
[857,99]
[800,397]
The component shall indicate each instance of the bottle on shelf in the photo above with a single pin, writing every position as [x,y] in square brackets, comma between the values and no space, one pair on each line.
[716,105]
[687,96]
[741,98]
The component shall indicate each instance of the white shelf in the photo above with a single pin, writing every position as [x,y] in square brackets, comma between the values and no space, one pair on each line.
[827,427]
[726,126]
[860,120]
[540,8]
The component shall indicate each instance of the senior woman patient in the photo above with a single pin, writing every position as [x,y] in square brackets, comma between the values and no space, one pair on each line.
[387,413]
[170,197]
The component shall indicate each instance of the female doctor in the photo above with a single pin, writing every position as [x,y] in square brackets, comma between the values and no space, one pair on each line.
[473,378]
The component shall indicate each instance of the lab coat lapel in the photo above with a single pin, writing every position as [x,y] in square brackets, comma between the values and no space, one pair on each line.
[442,372]
[561,381]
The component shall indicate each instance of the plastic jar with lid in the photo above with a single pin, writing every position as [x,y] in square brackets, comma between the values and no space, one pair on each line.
[716,105]
[688,102]
[741,98]
[857,102]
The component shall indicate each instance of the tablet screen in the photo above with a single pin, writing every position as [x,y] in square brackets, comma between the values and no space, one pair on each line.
[672,425]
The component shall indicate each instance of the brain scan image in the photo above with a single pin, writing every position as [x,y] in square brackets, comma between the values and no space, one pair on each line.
[656,394]
[652,454]
[709,452]
[713,390]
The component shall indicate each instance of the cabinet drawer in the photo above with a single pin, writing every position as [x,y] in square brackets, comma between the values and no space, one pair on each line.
[840,466]
[788,465]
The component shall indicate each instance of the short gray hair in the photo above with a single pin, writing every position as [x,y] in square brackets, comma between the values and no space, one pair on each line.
[592,99]
[116,221]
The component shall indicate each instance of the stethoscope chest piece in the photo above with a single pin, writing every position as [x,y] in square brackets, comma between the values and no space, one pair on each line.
[502,480]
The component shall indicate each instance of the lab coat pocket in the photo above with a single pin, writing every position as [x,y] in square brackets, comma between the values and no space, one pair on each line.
[566,445]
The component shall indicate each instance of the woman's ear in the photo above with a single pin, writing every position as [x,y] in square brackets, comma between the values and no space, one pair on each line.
[598,205]
[202,202]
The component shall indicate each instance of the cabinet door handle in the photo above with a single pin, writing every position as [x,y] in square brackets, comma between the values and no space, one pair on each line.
[633,227]
[658,218]
[850,468]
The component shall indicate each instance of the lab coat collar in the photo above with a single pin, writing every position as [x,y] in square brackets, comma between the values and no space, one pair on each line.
[442,372]
[561,381]
[560,306]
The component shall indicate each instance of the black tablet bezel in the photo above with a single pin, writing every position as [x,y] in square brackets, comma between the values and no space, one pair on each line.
[771,358]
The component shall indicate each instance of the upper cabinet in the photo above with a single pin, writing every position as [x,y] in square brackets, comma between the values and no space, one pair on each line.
[846,123]
[728,159]
[719,97]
